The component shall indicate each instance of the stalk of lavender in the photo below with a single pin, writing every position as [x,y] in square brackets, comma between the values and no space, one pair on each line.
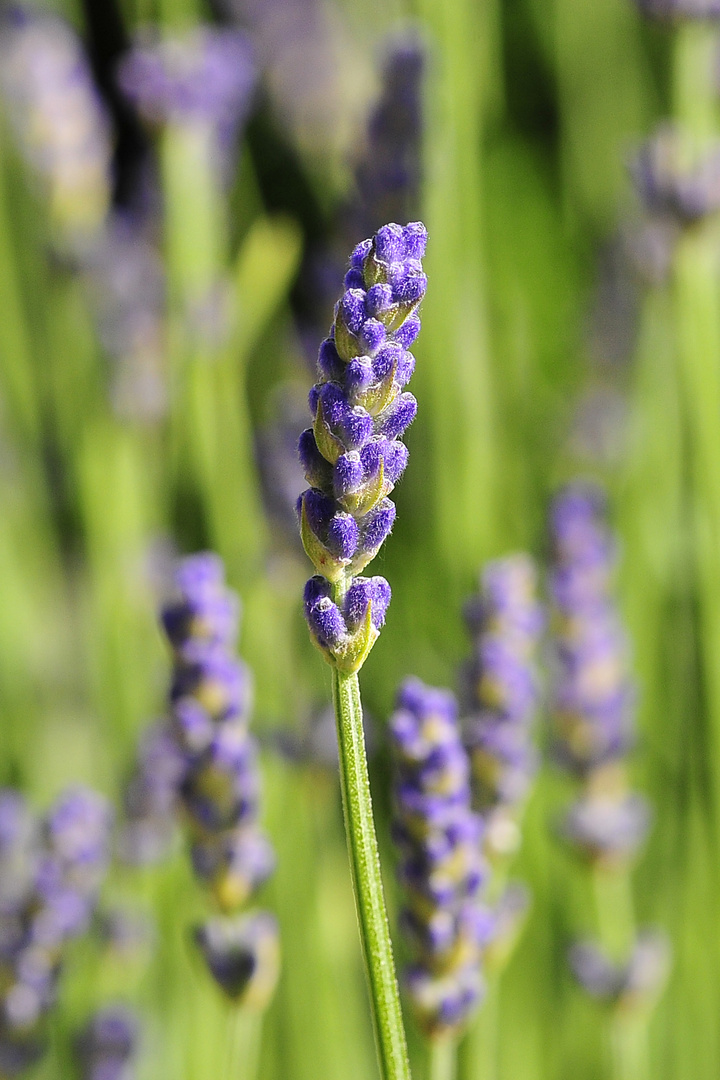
[352,458]
[50,875]
[593,716]
[693,174]
[500,692]
[441,869]
[220,790]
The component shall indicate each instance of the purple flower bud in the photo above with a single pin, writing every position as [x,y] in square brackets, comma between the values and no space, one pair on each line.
[398,417]
[351,425]
[415,235]
[354,279]
[372,335]
[348,473]
[376,527]
[360,253]
[363,591]
[390,244]
[408,332]
[360,374]
[318,471]
[324,617]
[351,309]
[330,364]
[378,300]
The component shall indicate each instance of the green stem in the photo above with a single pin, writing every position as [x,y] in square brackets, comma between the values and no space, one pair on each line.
[697,313]
[367,879]
[442,1059]
[479,1055]
[616,924]
[244,1034]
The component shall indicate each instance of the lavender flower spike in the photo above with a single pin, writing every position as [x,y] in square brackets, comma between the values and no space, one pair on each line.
[441,867]
[500,691]
[219,784]
[352,455]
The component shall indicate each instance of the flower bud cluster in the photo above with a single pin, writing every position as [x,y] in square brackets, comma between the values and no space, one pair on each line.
[209,714]
[593,695]
[50,875]
[438,838]
[352,455]
[107,1045]
[57,116]
[500,696]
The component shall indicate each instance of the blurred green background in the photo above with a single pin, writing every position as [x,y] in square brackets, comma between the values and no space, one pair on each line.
[549,350]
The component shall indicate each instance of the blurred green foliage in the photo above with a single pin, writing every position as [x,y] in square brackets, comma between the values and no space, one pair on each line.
[532,109]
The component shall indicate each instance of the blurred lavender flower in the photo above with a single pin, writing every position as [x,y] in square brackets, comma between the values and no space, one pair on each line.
[387,180]
[635,984]
[203,79]
[310,68]
[500,696]
[672,179]
[680,9]
[51,876]
[607,823]
[58,119]
[593,695]
[209,714]
[389,174]
[593,706]
[108,1044]
[353,456]
[281,474]
[126,282]
[151,798]
[441,866]
[243,955]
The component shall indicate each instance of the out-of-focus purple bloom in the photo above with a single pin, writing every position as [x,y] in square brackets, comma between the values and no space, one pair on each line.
[58,119]
[304,51]
[107,1045]
[680,9]
[608,827]
[593,695]
[674,182]
[352,455]
[51,874]
[500,695]
[631,985]
[151,797]
[281,474]
[204,78]
[126,284]
[218,783]
[210,700]
[242,953]
[389,174]
[441,865]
